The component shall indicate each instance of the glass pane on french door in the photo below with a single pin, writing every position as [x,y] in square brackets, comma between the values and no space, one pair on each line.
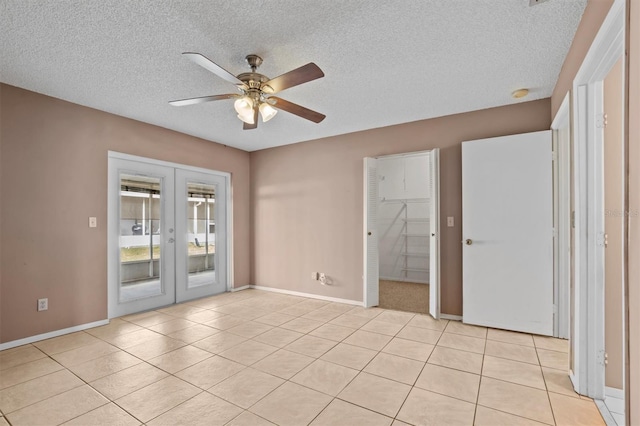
[200,232]
[139,237]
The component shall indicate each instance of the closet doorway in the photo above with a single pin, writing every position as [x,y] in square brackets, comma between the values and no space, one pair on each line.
[402,250]
[167,233]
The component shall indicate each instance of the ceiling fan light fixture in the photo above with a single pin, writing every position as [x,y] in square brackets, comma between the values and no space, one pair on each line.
[244,106]
[267,112]
[246,118]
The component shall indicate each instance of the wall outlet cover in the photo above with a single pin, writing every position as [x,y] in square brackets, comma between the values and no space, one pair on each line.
[43,304]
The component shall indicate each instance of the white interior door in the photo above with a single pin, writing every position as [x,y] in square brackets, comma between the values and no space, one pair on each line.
[371,268]
[434,241]
[507,227]
[201,223]
[141,239]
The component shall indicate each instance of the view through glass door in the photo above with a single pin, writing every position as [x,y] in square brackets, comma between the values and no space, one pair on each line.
[201,220]
[167,235]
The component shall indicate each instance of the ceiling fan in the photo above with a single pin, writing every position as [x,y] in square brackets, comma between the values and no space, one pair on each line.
[256,90]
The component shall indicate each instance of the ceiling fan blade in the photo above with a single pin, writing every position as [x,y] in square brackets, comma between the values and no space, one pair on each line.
[208,64]
[193,101]
[298,110]
[293,78]
[248,126]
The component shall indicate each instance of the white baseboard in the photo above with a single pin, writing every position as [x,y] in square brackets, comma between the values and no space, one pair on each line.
[451,317]
[309,295]
[49,335]
[244,287]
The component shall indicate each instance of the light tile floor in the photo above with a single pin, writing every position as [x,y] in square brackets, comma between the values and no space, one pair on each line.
[260,358]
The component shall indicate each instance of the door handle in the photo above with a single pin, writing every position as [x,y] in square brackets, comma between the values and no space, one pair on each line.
[468,241]
[171,240]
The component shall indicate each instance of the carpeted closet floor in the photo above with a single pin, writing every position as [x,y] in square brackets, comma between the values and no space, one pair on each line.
[404,296]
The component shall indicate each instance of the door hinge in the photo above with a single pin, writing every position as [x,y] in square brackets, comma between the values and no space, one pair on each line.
[601,358]
[554,232]
[554,156]
[555,309]
[602,239]
[601,121]
[573,219]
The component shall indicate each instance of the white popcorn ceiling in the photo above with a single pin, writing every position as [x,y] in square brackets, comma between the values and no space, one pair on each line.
[385,62]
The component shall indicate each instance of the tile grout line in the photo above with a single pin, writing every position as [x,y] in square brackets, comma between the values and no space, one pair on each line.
[418,376]
[181,314]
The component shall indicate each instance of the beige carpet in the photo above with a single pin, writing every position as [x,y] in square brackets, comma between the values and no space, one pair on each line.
[404,296]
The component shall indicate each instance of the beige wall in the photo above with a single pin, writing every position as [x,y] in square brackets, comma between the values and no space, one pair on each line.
[592,19]
[614,224]
[53,177]
[633,135]
[307,199]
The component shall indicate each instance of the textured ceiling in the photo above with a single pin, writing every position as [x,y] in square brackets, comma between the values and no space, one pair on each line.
[385,62]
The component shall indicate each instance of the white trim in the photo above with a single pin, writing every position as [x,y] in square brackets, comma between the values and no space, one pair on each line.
[562,221]
[605,413]
[614,392]
[588,334]
[308,295]
[229,231]
[244,287]
[451,317]
[51,334]
[405,154]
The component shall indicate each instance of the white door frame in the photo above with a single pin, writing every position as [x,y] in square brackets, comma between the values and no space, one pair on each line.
[561,222]
[371,263]
[607,47]
[113,268]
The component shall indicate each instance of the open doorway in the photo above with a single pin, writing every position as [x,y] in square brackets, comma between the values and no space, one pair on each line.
[402,220]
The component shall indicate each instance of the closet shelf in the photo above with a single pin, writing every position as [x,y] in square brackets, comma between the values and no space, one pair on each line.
[417,220]
[416,269]
[415,235]
[415,254]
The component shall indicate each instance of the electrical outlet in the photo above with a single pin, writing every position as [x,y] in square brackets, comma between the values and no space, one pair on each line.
[43,304]
[93,222]
[314,276]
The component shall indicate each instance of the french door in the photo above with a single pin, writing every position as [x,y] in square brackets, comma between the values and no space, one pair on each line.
[167,234]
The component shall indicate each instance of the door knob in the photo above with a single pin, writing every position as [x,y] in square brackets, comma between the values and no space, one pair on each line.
[369,233]
[171,240]
[468,241]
